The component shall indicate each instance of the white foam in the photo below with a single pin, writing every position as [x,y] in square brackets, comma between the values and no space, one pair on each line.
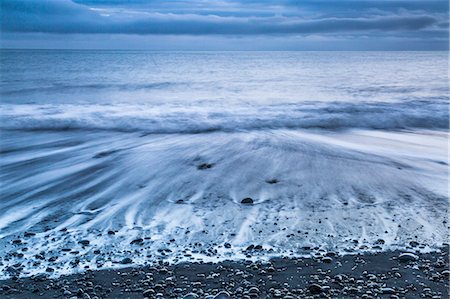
[335,186]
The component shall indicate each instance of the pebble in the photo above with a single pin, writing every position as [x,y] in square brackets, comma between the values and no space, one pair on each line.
[222,295]
[315,288]
[247,201]
[407,257]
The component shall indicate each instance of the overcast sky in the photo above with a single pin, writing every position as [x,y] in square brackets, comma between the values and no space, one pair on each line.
[226,24]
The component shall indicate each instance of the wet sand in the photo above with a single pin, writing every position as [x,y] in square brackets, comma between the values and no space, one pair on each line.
[325,275]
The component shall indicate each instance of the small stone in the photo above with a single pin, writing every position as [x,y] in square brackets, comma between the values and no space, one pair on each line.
[388,291]
[327,260]
[227,245]
[126,260]
[315,288]
[139,241]
[407,257]
[190,296]
[272,181]
[222,295]
[84,242]
[247,201]
[205,166]
[149,292]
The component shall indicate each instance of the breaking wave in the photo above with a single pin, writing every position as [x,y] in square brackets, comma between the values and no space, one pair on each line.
[201,117]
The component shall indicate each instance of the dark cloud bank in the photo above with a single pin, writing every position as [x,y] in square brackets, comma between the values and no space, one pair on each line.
[422,23]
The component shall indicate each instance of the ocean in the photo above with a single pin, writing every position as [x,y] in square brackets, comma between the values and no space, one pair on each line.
[148,155]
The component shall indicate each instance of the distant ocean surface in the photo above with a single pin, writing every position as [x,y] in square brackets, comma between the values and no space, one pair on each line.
[338,150]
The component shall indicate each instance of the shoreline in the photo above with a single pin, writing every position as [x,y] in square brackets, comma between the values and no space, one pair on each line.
[390,274]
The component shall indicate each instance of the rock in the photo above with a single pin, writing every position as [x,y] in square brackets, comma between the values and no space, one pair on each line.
[148,293]
[110,232]
[247,201]
[315,288]
[126,260]
[407,257]
[190,296]
[222,295]
[180,202]
[205,166]
[388,291]
[84,242]
[139,241]
[413,244]
[272,181]
[327,260]
[227,245]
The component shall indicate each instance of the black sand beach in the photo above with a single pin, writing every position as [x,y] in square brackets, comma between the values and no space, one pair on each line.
[382,275]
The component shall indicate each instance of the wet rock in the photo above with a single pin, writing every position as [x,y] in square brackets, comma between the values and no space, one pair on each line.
[84,242]
[272,181]
[315,288]
[247,201]
[180,201]
[327,260]
[222,295]
[250,247]
[407,257]
[110,232]
[227,245]
[126,260]
[205,166]
[139,241]
[149,293]
[190,296]
[388,291]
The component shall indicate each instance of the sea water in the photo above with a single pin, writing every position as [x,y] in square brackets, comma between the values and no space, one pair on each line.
[341,151]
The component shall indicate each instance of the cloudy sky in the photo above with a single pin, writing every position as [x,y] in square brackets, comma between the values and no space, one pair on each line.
[226,24]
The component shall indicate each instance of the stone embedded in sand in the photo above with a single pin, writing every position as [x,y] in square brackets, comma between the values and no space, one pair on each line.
[84,242]
[227,245]
[110,232]
[272,181]
[180,201]
[126,260]
[139,241]
[250,247]
[407,257]
[247,201]
[29,234]
[205,166]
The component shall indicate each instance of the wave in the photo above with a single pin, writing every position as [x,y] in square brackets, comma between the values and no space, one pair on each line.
[91,87]
[207,117]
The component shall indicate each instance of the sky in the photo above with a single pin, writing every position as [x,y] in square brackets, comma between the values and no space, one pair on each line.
[225,24]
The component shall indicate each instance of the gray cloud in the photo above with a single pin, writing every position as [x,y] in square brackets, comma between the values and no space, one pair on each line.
[67,17]
[424,22]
